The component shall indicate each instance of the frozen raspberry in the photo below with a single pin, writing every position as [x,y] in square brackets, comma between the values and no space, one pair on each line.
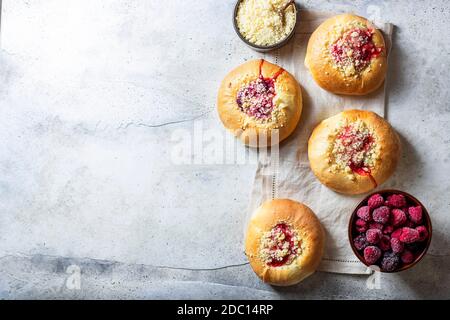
[381,215]
[396,201]
[409,235]
[397,246]
[376,225]
[385,243]
[372,254]
[373,235]
[415,214]
[388,229]
[364,213]
[396,233]
[375,201]
[398,217]
[360,242]
[423,233]
[361,225]
[407,257]
[390,261]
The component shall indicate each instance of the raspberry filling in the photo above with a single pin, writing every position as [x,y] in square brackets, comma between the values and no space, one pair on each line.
[256,98]
[279,246]
[355,48]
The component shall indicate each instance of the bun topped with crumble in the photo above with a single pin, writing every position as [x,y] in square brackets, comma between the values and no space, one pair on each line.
[260,103]
[347,55]
[285,242]
[354,151]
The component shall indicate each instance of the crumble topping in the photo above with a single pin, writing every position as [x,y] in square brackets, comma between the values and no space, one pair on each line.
[256,98]
[353,52]
[353,149]
[259,22]
[279,246]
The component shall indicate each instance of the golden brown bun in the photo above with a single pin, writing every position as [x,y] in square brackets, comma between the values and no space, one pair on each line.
[288,102]
[387,143]
[320,63]
[301,219]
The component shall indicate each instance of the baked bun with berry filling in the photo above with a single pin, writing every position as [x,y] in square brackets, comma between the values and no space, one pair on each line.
[346,54]
[354,151]
[285,242]
[260,103]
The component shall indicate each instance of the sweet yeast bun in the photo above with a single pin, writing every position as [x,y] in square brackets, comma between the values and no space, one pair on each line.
[284,224]
[260,103]
[354,151]
[346,54]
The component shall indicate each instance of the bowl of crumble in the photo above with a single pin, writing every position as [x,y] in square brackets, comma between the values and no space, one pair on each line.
[265,25]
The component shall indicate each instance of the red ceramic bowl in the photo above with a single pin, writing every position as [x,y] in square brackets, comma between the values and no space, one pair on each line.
[411,201]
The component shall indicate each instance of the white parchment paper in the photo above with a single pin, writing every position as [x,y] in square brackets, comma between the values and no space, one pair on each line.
[292,177]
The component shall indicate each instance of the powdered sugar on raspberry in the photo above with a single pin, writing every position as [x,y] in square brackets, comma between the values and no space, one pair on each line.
[372,254]
[364,213]
[397,246]
[398,217]
[373,235]
[360,242]
[409,235]
[390,261]
[375,201]
[396,201]
[415,214]
[381,215]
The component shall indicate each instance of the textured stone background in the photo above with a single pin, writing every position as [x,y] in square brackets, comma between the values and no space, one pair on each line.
[91,94]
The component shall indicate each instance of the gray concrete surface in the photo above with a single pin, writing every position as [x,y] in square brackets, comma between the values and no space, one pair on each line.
[93,205]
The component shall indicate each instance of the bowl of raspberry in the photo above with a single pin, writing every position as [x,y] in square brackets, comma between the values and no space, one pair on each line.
[390,231]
